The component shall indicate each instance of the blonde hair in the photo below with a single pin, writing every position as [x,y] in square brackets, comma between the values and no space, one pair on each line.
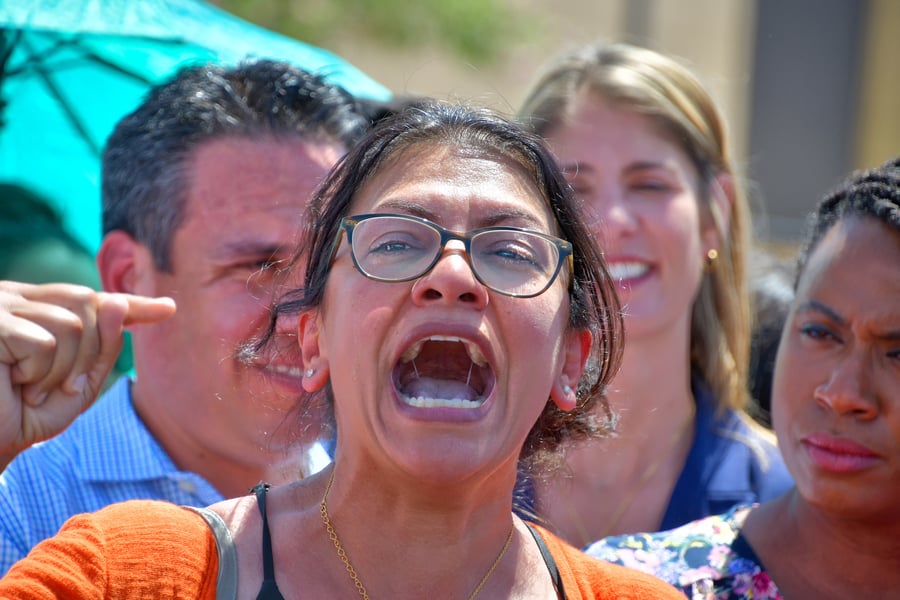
[668,93]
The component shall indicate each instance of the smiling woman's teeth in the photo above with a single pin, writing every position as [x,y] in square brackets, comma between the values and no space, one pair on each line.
[627,270]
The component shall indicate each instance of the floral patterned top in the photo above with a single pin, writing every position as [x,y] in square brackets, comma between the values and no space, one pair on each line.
[708,559]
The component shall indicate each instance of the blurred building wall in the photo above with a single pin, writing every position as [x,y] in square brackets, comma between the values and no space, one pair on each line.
[810,88]
[807,82]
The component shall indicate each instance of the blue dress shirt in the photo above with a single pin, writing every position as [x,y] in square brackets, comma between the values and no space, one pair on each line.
[107,455]
[729,463]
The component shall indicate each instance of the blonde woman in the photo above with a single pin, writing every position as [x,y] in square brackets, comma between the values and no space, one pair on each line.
[645,148]
[835,407]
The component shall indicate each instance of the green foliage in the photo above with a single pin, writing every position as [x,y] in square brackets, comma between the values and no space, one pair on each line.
[476,30]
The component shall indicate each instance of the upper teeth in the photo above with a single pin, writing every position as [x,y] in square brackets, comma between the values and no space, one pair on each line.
[627,270]
[472,350]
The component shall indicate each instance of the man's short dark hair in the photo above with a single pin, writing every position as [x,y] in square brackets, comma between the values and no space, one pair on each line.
[146,159]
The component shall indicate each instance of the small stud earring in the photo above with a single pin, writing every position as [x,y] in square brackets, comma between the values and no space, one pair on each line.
[711,256]
[310,372]
[567,389]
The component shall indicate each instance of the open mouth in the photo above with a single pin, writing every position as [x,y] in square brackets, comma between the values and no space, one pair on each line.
[443,372]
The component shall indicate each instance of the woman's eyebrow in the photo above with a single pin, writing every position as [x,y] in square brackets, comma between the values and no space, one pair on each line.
[497,216]
[576,167]
[816,306]
[647,165]
[406,206]
[507,215]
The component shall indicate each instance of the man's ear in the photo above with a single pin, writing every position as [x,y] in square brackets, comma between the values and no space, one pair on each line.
[125,265]
[316,371]
[565,388]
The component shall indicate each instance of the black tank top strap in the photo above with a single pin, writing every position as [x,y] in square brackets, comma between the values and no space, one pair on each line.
[269,589]
[548,560]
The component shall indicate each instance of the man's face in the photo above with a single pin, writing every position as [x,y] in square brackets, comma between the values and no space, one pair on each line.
[243,212]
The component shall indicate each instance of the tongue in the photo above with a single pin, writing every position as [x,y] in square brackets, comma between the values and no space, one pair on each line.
[445,389]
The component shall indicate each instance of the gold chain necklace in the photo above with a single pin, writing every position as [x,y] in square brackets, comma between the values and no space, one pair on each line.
[332,534]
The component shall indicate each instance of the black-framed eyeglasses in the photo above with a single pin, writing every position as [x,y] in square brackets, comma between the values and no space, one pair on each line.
[509,260]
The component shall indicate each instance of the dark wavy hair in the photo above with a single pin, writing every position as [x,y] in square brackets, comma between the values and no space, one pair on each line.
[147,157]
[593,301]
[871,193]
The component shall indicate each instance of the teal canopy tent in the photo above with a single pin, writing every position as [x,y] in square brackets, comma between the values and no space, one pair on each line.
[69,69]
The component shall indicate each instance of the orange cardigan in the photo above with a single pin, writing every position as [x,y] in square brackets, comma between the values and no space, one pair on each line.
[132,550]
[585,577]
[151,549]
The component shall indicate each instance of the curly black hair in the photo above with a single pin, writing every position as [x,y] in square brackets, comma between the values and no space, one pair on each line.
[870,193]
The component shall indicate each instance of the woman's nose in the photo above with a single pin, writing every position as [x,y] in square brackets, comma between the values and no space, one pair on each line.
[451,280]
[847,390]
[609,209]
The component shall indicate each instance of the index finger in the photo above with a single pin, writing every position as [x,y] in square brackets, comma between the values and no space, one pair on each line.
[141,309]
[97,353]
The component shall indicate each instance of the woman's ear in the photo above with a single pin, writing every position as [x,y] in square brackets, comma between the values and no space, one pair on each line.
[315,363]
[721,201]
[565,388]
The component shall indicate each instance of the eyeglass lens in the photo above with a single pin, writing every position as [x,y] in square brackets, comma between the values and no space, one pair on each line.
[392,248]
